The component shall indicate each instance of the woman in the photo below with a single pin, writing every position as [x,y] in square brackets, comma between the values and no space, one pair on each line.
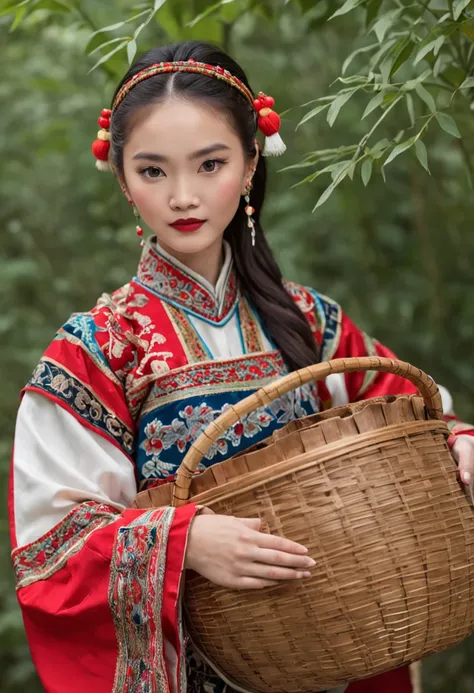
[124,389]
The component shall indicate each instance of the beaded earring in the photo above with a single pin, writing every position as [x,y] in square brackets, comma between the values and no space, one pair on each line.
[139,229]
[249,210]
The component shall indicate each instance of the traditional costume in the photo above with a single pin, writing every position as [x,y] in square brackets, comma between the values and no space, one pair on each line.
[112,408]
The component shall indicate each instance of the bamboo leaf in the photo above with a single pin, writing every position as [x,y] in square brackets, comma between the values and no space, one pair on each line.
[373,104]
[131,50]
[448,124]
[108,43]
[326,194]
[347,7]
[19,16]
[410,108]
[425,95]
[53,5]
[207,12]
[336,106]
[422,154]
[366,171]
[12,9]
[372,11]
[359,51]
[337,169]
[109,55]
[402,56]
[382,25]
[438,44]
[458,7]
[468,83]
[312,114]
[111,27]
[400,148]
[378,149]
[424,50]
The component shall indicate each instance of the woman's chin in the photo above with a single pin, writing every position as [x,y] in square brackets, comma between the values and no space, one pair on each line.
[189,242]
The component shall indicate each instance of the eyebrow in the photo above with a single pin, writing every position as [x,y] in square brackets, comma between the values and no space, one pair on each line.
[153,156]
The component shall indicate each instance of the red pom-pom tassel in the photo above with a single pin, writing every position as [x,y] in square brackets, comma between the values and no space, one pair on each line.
[100,149]
[269,123]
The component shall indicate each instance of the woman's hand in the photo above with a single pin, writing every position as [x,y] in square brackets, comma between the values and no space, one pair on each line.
[234,553]
[463,453]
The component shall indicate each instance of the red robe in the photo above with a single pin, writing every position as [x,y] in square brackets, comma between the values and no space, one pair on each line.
[100,591]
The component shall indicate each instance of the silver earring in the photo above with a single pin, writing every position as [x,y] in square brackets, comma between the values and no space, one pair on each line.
[249,210]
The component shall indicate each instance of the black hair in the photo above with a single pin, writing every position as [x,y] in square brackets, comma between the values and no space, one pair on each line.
[258,272]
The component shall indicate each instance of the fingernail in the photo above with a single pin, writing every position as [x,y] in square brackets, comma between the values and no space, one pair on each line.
[306,574]
[466,477]
[310,561]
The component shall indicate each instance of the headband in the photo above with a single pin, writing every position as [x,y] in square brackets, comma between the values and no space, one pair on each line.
[268,120]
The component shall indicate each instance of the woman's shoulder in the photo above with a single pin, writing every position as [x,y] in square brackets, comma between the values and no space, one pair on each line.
[324,315]
[311,301]
[103,335]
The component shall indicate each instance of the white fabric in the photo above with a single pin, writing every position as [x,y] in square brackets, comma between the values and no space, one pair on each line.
[59,463]
[336,384]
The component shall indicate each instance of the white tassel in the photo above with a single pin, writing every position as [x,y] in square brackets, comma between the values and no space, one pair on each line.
[103,166]
[274,145]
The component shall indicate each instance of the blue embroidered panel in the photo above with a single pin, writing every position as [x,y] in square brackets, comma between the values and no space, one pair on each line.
[167,433]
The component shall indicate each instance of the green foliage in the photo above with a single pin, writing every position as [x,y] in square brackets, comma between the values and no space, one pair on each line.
[423,59]
[397,255]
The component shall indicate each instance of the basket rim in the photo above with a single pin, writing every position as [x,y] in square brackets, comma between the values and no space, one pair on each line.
[251,480]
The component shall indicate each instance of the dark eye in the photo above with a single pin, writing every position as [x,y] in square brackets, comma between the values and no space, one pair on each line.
[212,165]
[152,172]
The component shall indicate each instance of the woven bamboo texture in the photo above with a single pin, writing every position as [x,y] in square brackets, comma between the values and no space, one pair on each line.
[371,489]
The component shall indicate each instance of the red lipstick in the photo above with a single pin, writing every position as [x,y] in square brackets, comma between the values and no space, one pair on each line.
[187,225]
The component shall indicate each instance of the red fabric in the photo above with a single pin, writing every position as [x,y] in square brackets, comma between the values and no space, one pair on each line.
[68,621]
[397,681]
[353,342]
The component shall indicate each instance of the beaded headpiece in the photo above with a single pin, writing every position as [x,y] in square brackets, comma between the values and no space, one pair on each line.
[268,120]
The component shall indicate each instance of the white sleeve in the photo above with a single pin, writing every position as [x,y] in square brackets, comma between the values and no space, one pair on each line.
[59,463]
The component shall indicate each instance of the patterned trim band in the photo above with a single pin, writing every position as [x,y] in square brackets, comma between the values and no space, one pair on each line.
[183,66]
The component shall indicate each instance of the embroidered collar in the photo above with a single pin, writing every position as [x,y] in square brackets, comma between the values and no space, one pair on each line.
[176,283]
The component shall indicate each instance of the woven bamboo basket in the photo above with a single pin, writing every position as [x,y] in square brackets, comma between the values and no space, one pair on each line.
[371,489]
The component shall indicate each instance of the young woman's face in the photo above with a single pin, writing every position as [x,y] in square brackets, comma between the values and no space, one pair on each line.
[184,161]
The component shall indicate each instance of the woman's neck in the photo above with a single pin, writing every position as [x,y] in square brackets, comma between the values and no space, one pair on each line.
[207,264]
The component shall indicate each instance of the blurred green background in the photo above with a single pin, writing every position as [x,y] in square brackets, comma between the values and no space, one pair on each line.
[397,254]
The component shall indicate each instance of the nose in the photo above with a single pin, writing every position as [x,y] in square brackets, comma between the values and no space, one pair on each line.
[182,196]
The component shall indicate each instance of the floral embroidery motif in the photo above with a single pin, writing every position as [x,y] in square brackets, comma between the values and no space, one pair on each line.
[305,302]
[55,380]
[83,328]
[45,556]
[218,375]
[170,283]
[183,431]
[135,599]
